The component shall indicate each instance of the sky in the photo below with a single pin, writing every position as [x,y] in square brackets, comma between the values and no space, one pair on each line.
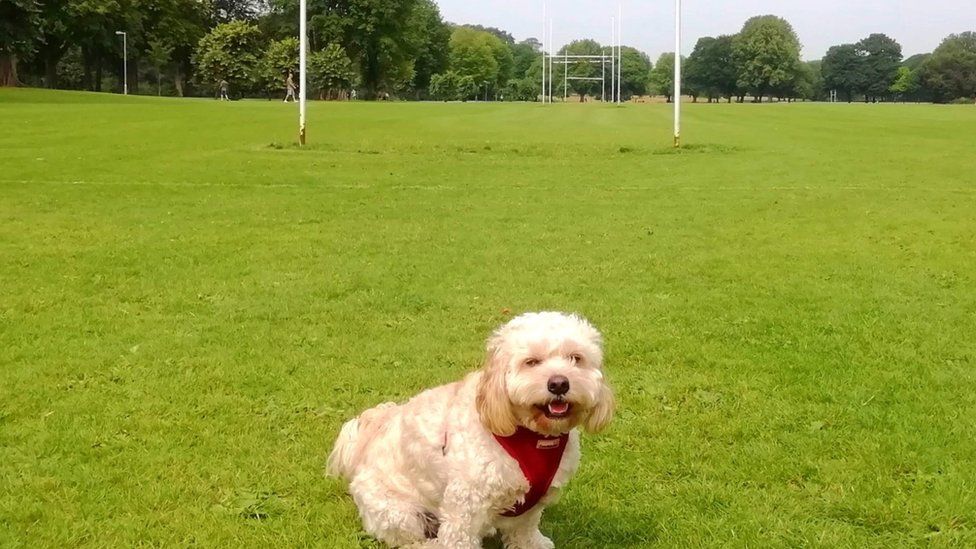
[649,24]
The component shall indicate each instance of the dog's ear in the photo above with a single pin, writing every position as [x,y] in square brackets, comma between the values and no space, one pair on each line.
[494,408]
[602,413]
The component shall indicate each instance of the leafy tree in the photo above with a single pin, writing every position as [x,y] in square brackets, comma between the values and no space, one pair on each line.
[662,76]
[330,71]
[375,33]
[916,61]
[481,56]
[225,11]
[159,53]
[280,57]
[524,54]
[951,71]
[635,72]
[767,54]
[842,70]
[581,67]
[19,23]
[881,59]
[505,37]
[451,86]
[231,51]
[906,85]
[432,51]
[711,68]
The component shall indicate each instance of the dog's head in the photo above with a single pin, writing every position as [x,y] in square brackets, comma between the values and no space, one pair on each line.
[544,371]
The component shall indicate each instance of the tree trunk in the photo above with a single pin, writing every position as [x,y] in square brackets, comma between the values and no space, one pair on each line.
[51,72]
[8,70]
[159,84]
[98,73]
[178,83]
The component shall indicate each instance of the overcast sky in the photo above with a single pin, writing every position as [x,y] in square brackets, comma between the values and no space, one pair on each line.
[919,26]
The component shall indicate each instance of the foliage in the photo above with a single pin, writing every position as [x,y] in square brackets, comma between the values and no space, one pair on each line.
[280,58]
[842,70]
[231,51]
[662,76]
[330,71]
[881,59]
[635,72]
[581,68]
[481,56]
[19,23]
[767,54]
[452,86]
[950,72]
[711,68]
[159,54]
[432,53]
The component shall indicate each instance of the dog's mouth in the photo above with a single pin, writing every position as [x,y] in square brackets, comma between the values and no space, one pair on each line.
[556,409]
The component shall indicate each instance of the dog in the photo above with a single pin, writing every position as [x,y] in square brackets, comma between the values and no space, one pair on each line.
[486,454]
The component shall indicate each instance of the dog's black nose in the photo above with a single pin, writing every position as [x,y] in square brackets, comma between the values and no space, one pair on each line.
[558,385]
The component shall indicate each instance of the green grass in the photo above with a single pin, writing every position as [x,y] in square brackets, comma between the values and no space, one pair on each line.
[190,306]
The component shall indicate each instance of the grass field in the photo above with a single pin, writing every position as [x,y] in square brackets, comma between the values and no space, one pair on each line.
[190,306]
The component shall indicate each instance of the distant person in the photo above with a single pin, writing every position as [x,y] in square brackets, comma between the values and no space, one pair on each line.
[352,94]
[290,87]
[224,87]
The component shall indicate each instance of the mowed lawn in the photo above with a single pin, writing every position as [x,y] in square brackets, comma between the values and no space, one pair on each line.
[190,306]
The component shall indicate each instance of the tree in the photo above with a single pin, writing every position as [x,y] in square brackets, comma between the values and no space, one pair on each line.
[524,54]
[842,70]
[330,71]
[481,56]
[231,51]
[711,67]
[375,33]
[767,53]
[662,76]
[906,85]
[635,72]
[505,37]
[19,24]
[950,73]
[159,53]
[280,58]
[432,50]
[451,86]
[881,59]
[582,68]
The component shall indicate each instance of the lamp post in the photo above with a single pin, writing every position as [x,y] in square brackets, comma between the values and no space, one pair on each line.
[125,62]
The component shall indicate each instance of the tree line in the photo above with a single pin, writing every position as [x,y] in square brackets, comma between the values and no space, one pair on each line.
[404,49]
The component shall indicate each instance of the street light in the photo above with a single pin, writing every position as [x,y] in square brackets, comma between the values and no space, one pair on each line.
[125,62]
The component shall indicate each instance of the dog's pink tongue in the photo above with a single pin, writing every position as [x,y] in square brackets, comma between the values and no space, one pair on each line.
[558,407]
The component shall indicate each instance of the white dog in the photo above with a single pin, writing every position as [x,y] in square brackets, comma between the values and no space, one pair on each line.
[486,454]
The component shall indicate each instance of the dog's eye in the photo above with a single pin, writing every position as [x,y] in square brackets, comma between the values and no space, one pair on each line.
[576,358]
[532,362]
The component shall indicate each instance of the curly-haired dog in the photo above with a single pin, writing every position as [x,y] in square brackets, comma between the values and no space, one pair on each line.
[486,454]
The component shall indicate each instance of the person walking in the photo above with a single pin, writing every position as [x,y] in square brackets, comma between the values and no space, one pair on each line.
[290,87]
[224,87]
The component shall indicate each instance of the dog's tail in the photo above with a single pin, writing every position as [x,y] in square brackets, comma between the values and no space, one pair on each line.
[354,439]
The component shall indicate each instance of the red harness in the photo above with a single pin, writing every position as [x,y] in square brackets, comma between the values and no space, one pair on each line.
[538,456]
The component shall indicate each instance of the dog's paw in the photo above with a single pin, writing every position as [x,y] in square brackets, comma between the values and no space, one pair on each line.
[537,541]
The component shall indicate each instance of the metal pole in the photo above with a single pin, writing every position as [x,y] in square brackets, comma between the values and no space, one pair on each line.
[125,61]
[613,60]
[551,45]
[620,52]
[565,76]
[603,81]
[545,15]
[302,48]
[677,73]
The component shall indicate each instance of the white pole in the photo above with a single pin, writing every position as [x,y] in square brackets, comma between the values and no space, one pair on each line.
[677,73]
[613,60]
[302,48]
[565,75]
[620,57]
[551,52]
[603,80]
[545,16]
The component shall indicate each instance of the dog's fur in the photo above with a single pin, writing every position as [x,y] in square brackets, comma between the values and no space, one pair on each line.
[429,473]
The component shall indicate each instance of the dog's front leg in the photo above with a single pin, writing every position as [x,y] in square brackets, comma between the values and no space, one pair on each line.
[464,515]
[523,532]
